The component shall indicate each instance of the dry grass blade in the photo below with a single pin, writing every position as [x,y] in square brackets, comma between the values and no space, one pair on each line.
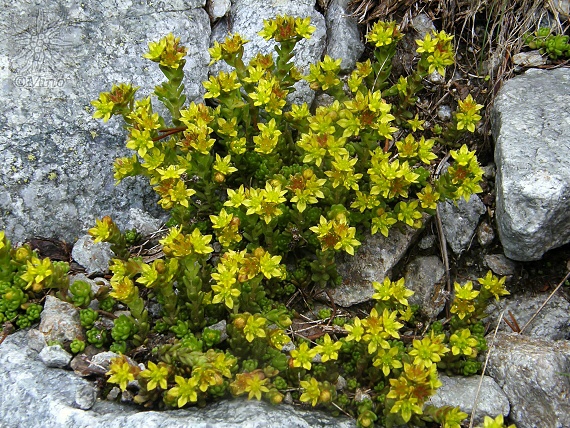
[442,240]
[483,371]
[488,33]
[546,301]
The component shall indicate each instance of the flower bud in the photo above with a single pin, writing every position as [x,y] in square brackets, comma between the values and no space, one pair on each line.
[219,177]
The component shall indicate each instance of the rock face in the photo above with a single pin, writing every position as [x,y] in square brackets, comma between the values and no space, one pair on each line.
[460,221]
[552,322]
[55,57]
[32,395]
[462,391]
[246,18]
[373,262]
[60,321]
[424,277]
[532,373]
[531,126]
[343,35]
[94,257]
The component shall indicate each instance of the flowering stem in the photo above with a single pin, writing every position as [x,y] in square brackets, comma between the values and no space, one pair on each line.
[169,131]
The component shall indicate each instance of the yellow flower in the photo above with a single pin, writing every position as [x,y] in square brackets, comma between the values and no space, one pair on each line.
[302,356]
[329,349]
[235,197]
[224,287]
[254,327]
[312,391]
[121,372]
[355,331]
[303,27]
[156,375]
[466,292]
[200,242]
[426,45]
[253,383]
[223,166]
[269,266]
[124,290]
[37,271]
[166,51]
[185,392]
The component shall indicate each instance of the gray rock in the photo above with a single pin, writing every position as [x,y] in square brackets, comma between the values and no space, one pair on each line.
[85,396]
[485,234]
[36,340]
[102,360]
[246,18]
[426,242]
[55,57]
[52,403]
[529,59]
[322,100]
[143,222]
[500,265]
[423,25]
[462,391]
[437,79]
[531,372]
[343,35]
[489,171]
[530,122]
[460,221]
[444,112]
[552,322]
[341,383]
[93,256]
[562,7]
[60,321]
[373,262]
[55,356]
[424,277]
[221,327]
[218,8]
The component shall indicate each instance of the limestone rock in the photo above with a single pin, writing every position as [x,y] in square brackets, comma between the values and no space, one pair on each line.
[552,322]
[500,265]
[93,256]
[531,127]
[55,57]
[461,392]
[531,373]
[423,25]
[60,321]
[424,277]
[485,234]
[460,221]
[246,18]
[85,396]
[36,340]
[373,262]
[55,356]
[562,7]
[343,35]
[529,59]
[144,223]
[61,400]
[218,8]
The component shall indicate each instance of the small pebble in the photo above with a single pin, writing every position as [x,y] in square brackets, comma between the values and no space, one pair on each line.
[500,265]
[444,112]
[485,234]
